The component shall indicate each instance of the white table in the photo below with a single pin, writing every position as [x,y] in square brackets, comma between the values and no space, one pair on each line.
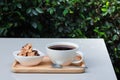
[95,55]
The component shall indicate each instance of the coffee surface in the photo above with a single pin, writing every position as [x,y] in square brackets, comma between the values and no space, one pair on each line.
[62,47]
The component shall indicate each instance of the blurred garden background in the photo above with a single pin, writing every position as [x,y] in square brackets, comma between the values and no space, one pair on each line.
[64,19]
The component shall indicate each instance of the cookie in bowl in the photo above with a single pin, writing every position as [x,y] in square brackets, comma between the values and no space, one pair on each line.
[28,56]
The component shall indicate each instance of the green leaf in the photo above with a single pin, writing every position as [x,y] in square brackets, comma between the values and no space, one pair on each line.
[60,29]
[1,31]
[117,69]
[102,34]
[5,8]
[39,27]
[96,19]
[88,18]
[19,5]
[96,30]
[115,37]
[47,1]
[118,46]
[10,24]
[54,2]
[104,9]
[18,13]
[39,10]
[112,8]
[29,10]
[51,10]
[65,12]
[22,18]
[81,15]
[104,14]
[34,12]
[71,12]
[34,25]
[110,42]
[107,4]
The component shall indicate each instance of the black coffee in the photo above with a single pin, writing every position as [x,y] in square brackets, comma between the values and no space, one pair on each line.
[62,47]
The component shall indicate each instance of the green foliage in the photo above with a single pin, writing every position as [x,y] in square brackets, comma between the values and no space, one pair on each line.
[64,18]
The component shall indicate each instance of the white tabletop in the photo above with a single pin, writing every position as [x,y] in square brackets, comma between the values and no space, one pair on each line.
[95,55]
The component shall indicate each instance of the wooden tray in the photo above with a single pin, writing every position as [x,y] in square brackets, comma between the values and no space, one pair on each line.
[45,67]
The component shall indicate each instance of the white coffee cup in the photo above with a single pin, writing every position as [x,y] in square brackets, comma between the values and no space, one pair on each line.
[65,56]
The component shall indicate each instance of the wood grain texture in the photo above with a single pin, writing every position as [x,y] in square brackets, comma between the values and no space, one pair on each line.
[45,67]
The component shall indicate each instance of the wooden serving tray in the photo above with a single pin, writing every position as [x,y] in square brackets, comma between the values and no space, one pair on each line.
[45,67]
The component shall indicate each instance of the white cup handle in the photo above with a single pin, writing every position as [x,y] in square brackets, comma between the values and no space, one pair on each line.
[78,61]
